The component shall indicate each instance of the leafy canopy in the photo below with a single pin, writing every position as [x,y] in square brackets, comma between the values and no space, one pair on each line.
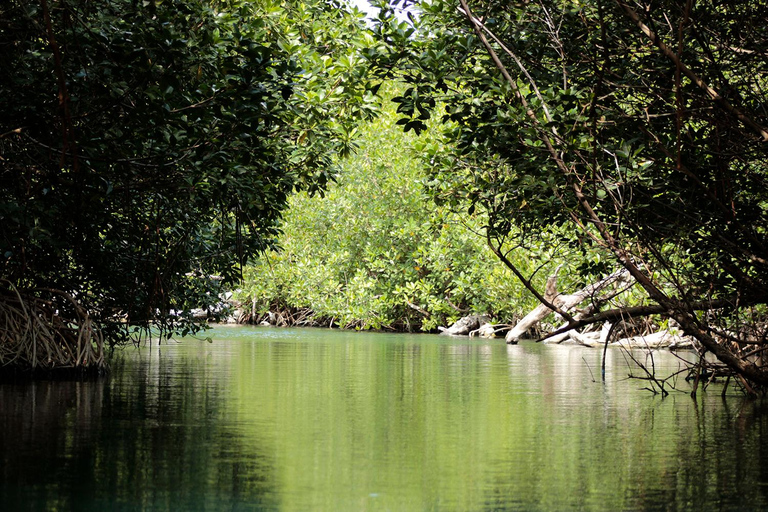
[147,146]
[639,125]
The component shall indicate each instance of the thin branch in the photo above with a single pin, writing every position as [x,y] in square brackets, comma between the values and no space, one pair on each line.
[67,129]
[712,93]
[465,10]
[527,283]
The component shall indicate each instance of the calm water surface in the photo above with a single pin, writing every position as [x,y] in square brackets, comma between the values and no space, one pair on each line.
[271,419]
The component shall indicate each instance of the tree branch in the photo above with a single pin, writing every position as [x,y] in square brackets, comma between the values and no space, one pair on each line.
[680,311]
[712,93]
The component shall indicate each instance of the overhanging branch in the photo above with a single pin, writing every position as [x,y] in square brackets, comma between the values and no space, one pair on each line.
[712,93]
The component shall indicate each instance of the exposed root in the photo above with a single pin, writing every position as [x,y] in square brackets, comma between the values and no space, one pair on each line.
[45,330]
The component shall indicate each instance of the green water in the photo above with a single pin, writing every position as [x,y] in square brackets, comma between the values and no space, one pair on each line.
[270,419]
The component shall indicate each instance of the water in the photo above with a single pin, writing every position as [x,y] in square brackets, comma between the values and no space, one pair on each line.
[272,419]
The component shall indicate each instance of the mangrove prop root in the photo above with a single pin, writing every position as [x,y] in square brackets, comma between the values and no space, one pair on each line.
[36,334]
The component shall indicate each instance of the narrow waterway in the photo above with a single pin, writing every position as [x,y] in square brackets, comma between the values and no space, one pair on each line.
[288,419]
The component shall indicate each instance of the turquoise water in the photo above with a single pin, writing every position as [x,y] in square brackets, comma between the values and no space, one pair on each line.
[288,419]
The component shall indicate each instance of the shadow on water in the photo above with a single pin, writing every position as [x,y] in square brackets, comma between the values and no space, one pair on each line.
[148,438]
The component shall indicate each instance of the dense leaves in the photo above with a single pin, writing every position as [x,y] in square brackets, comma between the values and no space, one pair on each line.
[641,125]
[376,253]
[147,146]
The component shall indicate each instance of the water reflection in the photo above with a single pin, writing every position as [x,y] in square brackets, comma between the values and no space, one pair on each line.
[151,437]
[322,420]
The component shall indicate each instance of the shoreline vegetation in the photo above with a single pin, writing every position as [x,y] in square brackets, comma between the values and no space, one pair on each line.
[399,263]
[374,252]
[401,175]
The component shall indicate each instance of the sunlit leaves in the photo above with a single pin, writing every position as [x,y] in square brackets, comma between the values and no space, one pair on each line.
[376,253]
[188,126]
[673,173]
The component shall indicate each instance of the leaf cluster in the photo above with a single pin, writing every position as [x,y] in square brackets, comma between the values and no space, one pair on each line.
[585,120]
[376,253]
[149,148]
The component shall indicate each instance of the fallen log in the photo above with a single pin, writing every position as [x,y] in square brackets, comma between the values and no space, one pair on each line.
[659,339]
[465,325]
[666,338]
[489,330]
[564,302]
[539,312]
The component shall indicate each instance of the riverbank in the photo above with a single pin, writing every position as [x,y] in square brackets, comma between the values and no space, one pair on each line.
[482,326]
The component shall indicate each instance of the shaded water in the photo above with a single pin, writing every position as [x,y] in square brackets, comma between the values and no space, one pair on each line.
[326,420]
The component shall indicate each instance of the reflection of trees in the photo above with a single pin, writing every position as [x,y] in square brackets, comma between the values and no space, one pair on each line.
[349,421]
[38,421]
[474,425]
[725,458]
[154,436]
[584,445]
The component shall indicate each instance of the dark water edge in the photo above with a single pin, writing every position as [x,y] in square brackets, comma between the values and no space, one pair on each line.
[273,419]
[13,373]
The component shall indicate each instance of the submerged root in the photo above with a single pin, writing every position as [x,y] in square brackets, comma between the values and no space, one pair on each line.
[47,330]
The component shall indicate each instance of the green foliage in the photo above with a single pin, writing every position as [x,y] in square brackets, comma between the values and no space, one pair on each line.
[376,253]
[597,130]
[149,145]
